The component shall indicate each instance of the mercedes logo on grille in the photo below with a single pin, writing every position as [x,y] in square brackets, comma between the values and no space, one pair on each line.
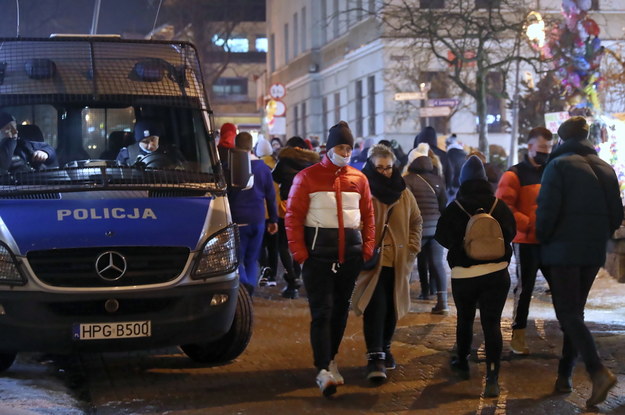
[111,265]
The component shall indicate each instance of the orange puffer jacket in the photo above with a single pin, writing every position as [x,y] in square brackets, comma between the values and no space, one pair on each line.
[519,188]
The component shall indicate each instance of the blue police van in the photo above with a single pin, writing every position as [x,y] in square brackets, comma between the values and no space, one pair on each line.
[108,245]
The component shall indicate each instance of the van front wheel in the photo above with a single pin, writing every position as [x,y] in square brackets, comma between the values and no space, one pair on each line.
[6,360]
[233,343]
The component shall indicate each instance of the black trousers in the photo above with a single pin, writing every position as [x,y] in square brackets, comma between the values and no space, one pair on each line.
[431,259]
[569,291]
[291,267]
[528,262]
[329,296]
[488,292]
[269,253]
[380,319]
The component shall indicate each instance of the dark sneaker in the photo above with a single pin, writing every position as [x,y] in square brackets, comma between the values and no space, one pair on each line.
[264,276]
[389,360]
[460,367]
[491,389]
[271,282]
[376,369]
[290,292]
[441,309]
[563,384]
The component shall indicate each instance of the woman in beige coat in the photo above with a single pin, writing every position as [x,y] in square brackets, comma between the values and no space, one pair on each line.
[382,295]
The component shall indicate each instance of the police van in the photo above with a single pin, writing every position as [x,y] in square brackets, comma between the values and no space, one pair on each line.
[109,245]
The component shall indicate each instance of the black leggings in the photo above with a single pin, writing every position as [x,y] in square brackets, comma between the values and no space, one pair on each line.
[488,292]
[269,253]
[291,267]
[380,317]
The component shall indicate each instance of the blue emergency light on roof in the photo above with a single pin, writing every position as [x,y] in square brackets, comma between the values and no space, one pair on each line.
[40,68]
[150,70]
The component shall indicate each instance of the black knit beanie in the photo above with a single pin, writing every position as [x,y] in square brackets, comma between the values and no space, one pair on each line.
[5,118]
[472,169]
[575,128]
[339,134]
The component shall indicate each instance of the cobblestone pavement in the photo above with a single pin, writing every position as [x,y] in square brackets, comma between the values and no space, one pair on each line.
[275,374]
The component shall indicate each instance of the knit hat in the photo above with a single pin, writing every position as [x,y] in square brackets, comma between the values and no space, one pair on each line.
[147,128]
[422,150]
[575,128]
[340,134]
[5,118]
[298,142]
[263,148]
[244,141]
[226,135]
[472,169]
[427,135]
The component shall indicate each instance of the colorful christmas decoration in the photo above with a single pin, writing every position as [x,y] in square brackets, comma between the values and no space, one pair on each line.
[575,50]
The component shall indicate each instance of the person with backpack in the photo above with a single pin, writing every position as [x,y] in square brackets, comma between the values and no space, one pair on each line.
[579,207]
[478,229]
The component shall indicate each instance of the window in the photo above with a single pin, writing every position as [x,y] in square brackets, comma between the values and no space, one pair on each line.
[438,89]
[261,44]
[324,114]
[432,4]
[230,87]
[304,120]
[371,103]
[296,119]
[236,44]
[359,123]
[286,43]
[337,107]
[594,5]
[494,102]
[272,52]
[98,123]
[487,4]
[295,36]
[303,29]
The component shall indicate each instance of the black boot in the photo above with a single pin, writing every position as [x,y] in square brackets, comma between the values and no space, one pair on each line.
[389,360]
[292,286]
[376,370]
[564,383]
[491,389]
[460,366]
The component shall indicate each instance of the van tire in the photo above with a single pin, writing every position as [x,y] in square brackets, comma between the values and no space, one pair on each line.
[6,360]
[233,343]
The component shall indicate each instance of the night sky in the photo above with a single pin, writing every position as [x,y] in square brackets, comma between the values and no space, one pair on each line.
[40,18]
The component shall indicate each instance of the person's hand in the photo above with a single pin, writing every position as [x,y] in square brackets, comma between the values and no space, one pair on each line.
[272,228]
[40,156]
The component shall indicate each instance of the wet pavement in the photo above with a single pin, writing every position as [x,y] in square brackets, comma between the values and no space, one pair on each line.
[275,374]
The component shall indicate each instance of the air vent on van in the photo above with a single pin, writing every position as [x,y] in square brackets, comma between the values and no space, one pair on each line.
[40,68]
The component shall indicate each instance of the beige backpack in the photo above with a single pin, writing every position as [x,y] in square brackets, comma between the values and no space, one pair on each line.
[483,237]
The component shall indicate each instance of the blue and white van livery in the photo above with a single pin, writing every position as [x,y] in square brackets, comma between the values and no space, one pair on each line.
[99,256]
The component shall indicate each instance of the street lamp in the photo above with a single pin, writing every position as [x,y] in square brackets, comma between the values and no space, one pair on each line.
[535,32]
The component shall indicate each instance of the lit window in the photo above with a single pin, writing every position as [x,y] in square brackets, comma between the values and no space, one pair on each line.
[234,44]
[261,44]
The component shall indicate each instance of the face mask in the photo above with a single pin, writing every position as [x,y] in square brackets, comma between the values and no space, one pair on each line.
[541,158]
[339,161]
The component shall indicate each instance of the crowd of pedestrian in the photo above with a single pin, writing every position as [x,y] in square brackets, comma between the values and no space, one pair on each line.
[350,221]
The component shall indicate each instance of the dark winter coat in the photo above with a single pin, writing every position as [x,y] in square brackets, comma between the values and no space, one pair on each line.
[291,160]
[16,155]
[429,192]
[473,194]
[457,156]
[579,206]
[428,135]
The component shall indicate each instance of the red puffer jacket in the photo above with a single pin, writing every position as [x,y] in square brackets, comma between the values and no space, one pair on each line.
[329,214]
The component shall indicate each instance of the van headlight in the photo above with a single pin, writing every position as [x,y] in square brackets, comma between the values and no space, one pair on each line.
[9,274]
[219,255]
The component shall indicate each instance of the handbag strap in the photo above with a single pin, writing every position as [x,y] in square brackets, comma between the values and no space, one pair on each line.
[426,182]
[388,216]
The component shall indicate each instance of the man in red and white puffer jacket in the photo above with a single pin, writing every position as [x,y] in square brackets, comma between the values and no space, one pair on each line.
[330,227]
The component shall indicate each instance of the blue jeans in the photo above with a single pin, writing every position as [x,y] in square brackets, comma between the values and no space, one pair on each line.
[251,240]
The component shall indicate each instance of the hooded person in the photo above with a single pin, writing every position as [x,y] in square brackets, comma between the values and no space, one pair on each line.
[330,226]
[456,156]
[382,294]
[292,158]
[579,207]
[18,154]
[476,283]
[428,135]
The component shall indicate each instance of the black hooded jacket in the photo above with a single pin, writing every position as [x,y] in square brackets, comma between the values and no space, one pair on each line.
[472,195]
[429,192]
[291,160]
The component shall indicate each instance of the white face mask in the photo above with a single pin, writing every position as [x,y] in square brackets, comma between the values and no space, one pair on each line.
[337,160]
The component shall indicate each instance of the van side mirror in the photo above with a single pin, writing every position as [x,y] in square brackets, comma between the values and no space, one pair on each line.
[240,169]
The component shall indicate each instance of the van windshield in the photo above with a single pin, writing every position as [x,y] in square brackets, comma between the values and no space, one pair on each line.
[106,147]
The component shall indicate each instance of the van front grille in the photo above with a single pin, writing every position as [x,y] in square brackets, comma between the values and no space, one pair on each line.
[77,267]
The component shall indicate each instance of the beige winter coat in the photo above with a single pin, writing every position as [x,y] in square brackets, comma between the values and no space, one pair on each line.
[405,230]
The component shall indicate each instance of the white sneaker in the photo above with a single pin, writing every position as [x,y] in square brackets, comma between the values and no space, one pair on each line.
[326,382]
[334,369]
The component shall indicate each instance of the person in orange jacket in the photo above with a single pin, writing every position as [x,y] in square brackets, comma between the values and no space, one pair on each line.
[519,187]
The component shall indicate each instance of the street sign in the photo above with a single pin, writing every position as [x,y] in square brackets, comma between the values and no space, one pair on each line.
[427,112]
[277,91]
[443,102]
[407,96]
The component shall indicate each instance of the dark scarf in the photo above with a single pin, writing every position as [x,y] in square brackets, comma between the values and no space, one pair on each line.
[386,189]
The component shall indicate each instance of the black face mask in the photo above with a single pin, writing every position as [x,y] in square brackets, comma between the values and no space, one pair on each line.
[541,158]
